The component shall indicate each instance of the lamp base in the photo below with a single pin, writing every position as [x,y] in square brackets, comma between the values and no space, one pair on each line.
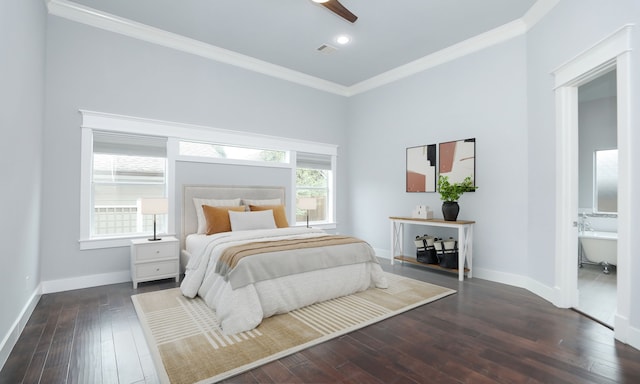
[154,230]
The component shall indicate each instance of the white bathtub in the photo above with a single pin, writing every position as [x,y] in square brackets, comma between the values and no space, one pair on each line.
[600,247]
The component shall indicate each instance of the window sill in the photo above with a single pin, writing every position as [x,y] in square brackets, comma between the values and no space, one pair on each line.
[113,242]
[125,241]
[323,225]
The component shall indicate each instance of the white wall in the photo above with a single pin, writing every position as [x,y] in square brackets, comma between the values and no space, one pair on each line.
[572,27]
[98,70]
[503,96]
[22,44]
[482,95]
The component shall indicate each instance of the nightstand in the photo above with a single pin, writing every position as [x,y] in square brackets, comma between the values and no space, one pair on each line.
[154,260]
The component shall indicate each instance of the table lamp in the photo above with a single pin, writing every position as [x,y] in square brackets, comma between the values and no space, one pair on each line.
[154,207]
[307,203]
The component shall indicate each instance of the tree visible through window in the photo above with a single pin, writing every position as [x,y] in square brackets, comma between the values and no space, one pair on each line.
[217,151]
[313,183]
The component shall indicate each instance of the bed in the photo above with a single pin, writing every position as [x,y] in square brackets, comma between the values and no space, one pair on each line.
[233,274]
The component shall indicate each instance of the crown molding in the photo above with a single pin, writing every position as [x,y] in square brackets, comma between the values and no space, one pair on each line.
[95,18]
[474,44]
[539,9]
[495,36]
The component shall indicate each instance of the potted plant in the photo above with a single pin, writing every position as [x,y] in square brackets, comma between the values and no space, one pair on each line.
[450,193]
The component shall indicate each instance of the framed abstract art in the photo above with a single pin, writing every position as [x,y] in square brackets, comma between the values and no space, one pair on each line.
[457,160]
[421,168]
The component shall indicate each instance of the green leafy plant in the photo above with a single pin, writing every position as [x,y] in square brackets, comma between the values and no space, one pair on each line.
[453,191]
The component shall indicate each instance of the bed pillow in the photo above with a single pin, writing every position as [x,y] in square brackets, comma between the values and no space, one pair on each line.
[217,218]
[261,202]
[279,214]
[242,221]
[198,202]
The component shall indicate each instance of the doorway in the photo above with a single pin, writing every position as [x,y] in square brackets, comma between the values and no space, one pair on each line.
[597,198]
[613,52]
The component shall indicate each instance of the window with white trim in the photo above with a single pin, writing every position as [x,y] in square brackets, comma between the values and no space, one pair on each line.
[126,168]
[314,179]
[124,158]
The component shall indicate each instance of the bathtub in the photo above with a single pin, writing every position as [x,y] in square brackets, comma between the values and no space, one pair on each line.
[600,247]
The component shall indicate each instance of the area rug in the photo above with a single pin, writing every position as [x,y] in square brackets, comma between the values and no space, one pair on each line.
[188,347]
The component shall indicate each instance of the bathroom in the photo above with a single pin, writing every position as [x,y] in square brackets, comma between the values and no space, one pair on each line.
[597,212]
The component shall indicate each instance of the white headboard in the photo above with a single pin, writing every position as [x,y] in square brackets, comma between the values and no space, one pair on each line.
[189,219]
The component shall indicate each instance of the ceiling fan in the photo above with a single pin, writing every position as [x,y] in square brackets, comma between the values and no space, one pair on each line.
[337,8]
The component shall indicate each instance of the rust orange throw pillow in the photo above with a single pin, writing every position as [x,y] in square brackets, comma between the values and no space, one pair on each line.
[279,214]
[218,218]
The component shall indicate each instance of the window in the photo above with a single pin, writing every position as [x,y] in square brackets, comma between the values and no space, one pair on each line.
[125,158]
[314,178]
[606,181]
[124,169]
[218,151]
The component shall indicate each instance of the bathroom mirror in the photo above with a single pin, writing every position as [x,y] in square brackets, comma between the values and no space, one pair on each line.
[605,190]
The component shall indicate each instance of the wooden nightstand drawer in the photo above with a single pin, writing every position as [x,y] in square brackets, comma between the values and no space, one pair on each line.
[155,251]
[161,268]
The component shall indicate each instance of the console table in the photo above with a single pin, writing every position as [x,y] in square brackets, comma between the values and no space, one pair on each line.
[465,241]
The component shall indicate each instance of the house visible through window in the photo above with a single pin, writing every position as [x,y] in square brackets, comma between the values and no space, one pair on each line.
[126,168]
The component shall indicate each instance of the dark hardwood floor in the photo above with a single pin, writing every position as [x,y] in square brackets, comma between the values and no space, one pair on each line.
[486,333]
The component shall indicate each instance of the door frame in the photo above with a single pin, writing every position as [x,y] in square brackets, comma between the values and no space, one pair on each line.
[612,52]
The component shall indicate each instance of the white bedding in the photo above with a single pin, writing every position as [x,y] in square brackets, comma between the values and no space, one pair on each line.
[242,309]
[195,243]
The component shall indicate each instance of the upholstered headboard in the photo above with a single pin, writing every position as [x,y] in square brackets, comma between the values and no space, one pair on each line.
[189,218]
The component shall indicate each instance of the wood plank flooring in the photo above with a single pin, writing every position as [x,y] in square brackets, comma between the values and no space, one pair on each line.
[486,333]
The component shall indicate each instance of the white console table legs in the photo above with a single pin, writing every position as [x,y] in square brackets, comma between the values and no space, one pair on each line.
[465,240]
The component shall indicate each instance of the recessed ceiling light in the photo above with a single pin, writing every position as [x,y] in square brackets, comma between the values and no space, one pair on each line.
[343,39]
[320,1]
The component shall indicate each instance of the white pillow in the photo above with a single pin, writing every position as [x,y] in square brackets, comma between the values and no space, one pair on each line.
[262,202]
[242,221]
[202,221]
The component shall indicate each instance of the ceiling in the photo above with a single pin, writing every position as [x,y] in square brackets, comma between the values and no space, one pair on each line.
[287,33]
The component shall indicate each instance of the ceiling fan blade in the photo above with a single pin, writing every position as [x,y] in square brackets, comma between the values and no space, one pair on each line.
[340,10]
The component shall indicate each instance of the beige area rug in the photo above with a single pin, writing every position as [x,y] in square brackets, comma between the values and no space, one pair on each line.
[187,345]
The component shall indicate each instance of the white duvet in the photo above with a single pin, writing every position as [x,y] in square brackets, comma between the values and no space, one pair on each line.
[243,309]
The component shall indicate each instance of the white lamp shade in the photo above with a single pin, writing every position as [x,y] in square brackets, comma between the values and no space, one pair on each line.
[154,206]
[307,203]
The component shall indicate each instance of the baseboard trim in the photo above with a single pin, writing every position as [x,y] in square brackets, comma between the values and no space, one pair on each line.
[634,337]
[537,288]
[625,333]
[527,283]
[11,338]
[382,253]
[80,282]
